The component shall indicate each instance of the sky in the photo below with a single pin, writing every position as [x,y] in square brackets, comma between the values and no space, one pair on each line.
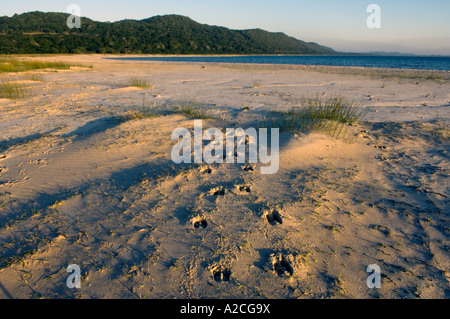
[407,26]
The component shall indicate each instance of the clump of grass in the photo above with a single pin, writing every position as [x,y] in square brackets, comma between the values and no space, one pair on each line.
[140,83]
[440,130]
[256,84]
[194,111]
[34,77]
[11,90]
[147,111]
[16,65]
[328,115]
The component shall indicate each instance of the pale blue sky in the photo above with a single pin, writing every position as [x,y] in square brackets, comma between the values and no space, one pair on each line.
[416,26]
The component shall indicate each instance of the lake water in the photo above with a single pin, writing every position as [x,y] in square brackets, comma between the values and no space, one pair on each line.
[396,62]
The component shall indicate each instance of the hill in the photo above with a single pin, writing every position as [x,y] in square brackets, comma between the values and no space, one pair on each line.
[39,32]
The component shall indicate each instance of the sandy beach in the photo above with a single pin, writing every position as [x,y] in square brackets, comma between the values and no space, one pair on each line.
[83,181]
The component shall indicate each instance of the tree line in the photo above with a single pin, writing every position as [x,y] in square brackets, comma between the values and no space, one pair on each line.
[39,32]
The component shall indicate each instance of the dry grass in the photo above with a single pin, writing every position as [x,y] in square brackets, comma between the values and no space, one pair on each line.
[140,83]
[193,111]
[146,110]
[11,90]
[34,77]
[327,115]
[8,65]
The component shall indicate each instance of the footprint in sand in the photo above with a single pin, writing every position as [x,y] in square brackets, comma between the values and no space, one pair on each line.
[206,170]
[201,223]
[378,146]
[281,265]
[382,158]
[248,168]
[218,191]
[382,229]
[244,189]
[274,217]
[222,275]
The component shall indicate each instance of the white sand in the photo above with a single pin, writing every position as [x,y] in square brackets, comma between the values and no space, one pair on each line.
[77,186]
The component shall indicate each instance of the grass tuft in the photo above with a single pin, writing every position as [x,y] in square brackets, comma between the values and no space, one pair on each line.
[256,84]
[34,77]
[193,111]
[147,110]
[140,83]
[15,65]
[319,114]
[11,90]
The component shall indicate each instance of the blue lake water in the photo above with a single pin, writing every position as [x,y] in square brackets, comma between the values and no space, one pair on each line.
[396,62]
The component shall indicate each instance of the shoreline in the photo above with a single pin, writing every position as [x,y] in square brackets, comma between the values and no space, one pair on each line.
[433,75]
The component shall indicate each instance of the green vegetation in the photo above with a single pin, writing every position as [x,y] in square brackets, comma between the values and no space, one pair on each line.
[256,84]
[11,90]
[319,114]
[16,65]
[146,110]
[193,111]
[34,77]
[14,90]
[43,33]
[441,130]
[140,83]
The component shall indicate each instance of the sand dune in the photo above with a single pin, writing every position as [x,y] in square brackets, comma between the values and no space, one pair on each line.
[84,182]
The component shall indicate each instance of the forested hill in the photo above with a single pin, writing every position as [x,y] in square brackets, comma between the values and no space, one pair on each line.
[39,32]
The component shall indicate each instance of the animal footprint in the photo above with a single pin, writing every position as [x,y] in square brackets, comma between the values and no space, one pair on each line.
[382,158]
[274,217]
[201,223]
[378,146]
[222,275]
[206,170]
[244,189]
[218,191]
[248,168]
[281,265]
[382,229]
